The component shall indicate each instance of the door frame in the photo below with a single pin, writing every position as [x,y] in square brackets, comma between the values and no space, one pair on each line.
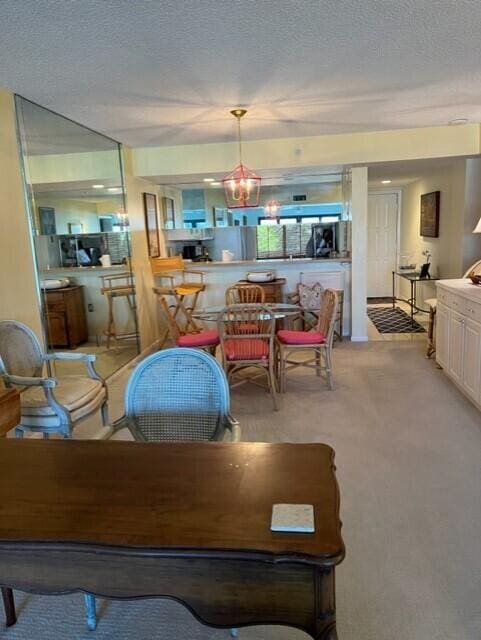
[398,192]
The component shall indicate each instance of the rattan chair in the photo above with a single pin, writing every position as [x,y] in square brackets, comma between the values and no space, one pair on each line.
[320,341]
[245,293]
[49,405]
[247,339]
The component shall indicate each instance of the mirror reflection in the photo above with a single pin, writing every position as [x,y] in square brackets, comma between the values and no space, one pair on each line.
[81,238]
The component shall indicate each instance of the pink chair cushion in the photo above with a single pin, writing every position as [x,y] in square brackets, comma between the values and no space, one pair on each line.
[248,349]
[202,339]
[300,337]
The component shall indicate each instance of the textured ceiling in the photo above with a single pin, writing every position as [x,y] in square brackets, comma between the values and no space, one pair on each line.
[166,73]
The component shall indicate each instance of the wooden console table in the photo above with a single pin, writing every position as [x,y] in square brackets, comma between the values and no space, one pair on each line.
[189,521]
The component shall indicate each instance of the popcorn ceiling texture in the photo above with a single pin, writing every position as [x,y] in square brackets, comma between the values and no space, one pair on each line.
[166,73]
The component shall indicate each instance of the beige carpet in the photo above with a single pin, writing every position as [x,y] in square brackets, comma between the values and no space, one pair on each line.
[408,451]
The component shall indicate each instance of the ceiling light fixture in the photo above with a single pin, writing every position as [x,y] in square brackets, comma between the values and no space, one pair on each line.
[209,180]
[241,186]
[113,188]
[98,186]
[458,121]
[215,184]
[272,208]
[385,181]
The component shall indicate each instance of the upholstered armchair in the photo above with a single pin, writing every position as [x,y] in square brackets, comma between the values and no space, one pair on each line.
[49,405]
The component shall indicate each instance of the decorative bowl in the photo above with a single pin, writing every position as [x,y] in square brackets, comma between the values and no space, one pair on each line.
[475,278]
[261,276]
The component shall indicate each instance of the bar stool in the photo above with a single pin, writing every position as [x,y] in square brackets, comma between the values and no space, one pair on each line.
[431,347]
[113,287]
[177,296]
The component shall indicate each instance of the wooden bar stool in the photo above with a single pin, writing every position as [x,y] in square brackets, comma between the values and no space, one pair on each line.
[177,296]
[113,287]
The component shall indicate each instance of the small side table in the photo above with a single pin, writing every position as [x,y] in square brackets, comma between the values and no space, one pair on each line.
[273,289]
[9,418]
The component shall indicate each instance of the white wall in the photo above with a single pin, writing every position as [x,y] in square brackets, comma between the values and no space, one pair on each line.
[359,193]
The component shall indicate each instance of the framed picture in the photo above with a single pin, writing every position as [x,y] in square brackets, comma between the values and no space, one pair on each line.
[152,224]
[169,213]
[430,214]
[46,217]
[323,240]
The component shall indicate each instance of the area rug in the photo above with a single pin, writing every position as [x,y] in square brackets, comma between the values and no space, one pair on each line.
[389,320]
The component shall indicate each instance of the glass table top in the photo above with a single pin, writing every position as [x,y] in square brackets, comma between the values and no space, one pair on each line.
[414,275]
[278,309]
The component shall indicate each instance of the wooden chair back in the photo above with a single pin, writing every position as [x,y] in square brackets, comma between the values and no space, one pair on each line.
[166,265]
[245,293]
[328,314]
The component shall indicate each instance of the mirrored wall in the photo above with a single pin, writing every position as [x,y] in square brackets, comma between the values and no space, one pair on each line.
[81,237]
[299,216]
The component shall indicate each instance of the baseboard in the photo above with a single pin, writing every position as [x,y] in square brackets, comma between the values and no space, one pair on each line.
[359,339]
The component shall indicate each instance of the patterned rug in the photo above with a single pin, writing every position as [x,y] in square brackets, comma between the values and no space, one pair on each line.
[389,320]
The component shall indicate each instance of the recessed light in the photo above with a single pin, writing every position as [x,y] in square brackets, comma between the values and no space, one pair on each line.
[113,189]
[215,184]
[457,121]
[385,181]
[209,180]
[98,186]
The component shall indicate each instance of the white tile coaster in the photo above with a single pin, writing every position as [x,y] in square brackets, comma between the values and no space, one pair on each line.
[293,518]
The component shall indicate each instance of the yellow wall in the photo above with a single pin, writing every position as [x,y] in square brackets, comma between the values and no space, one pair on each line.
[18,292]
[67,167]
[343,149]
[76,210]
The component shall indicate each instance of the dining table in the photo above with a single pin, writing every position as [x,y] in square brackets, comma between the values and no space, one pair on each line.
[280,311]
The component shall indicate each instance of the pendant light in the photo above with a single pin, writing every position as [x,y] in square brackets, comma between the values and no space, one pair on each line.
[241,186]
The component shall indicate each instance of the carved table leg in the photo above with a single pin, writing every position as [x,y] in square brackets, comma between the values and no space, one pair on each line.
[9,606]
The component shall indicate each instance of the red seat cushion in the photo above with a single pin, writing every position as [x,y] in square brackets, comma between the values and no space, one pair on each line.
[300,337]
[202,339]
[248,349]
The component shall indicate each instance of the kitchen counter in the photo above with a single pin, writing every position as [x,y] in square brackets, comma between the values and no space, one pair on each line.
[48,273]
[274,261]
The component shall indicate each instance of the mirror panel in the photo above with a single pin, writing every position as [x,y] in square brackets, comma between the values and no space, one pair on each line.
[81,237]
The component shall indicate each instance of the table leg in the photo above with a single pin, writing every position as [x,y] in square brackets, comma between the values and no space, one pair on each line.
[9,606]
[393,289]
[413,284]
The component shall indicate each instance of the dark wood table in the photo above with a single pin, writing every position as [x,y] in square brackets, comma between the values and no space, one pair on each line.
[186,521]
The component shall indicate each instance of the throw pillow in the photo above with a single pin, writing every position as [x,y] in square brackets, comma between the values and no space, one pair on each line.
[310,296]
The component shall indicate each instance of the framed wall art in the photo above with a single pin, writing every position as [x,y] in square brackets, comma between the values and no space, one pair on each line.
[46,217]
[429,226]
[152,224]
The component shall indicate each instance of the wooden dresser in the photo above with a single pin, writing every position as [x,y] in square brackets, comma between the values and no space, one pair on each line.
[273,290]
[67,325]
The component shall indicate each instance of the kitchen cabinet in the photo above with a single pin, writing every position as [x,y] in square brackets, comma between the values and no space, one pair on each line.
[458,336]
[66,322]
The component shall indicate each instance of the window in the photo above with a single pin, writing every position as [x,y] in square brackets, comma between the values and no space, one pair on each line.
[282,240]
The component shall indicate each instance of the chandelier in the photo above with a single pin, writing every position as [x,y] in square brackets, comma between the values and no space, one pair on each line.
[272,208]
[241,186]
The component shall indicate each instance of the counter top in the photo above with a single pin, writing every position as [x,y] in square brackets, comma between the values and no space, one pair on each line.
[461,286]
[114,267]
[265,263]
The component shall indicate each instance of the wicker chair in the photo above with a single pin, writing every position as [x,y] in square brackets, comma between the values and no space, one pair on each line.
[245,293]
[320,340]
[247,339]
[49,405]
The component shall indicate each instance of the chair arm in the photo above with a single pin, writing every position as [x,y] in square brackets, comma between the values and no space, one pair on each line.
[197,273]
[234,427]
[293,298]
[88,358]
[25,381]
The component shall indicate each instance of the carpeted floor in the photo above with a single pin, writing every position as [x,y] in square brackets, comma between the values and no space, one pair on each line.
[408,455]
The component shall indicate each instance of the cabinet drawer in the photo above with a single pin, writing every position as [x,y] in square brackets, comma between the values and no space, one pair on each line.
[443,296]
[472,310]
[55,307]
[457,304]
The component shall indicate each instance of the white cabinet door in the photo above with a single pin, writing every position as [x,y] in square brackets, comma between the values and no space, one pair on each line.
[471,358]
[442,335]
[456,350]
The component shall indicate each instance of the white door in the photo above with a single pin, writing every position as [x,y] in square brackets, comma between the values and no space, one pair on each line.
[471,360]
[381,243]
[456,346]
[442,335]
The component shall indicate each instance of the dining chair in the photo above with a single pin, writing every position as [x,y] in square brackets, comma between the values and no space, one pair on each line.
[49,405]
[244,293]
[247,340]
[320,341]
